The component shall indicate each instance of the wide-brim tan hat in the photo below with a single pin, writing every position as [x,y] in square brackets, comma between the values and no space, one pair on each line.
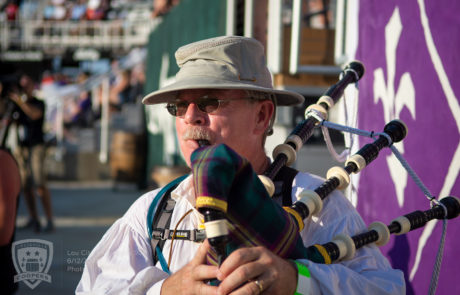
[228,62]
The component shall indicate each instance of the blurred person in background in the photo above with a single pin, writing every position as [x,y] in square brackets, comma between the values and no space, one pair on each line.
[121,90]
[96,9]
[55,10]
[11,10]
[162,7]
[78,10]
[30,152]
[81,113]
[10,187]
[137,83]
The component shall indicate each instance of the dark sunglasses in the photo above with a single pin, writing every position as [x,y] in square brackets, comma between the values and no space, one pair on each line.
[205,104]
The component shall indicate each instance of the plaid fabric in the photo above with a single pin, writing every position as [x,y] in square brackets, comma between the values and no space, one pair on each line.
[222,177]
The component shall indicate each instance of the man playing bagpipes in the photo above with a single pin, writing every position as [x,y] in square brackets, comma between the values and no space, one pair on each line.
[224,105]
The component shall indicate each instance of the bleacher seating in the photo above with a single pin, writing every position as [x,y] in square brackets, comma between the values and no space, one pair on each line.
[125,24]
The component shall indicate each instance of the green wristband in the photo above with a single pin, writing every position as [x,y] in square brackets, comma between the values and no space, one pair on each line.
[303,279]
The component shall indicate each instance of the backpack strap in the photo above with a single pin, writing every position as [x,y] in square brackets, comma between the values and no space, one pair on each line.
[159,215]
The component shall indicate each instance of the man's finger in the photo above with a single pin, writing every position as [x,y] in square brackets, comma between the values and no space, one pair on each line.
[205,289]
[239,257]
[200,256]
[205,272]
[239,277]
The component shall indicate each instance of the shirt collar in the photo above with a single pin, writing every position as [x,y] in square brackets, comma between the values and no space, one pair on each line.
[185,190]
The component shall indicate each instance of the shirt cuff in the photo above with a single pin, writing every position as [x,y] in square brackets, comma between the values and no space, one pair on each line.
[156,288]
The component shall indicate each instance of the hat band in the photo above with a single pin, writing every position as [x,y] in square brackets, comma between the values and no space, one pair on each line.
[218,71]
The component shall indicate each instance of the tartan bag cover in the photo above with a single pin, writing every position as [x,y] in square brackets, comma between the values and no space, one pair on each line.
[225,181]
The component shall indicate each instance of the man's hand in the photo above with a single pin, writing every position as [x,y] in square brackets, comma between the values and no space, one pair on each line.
[192,278]
[240,271]
[14,97]
[31,111]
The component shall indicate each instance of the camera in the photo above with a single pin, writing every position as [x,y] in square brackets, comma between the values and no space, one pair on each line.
[8,86]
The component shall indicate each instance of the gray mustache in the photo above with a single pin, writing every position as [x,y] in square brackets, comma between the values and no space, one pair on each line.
[196,133]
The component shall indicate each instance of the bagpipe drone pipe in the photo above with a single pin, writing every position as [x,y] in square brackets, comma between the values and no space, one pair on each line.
[237,205]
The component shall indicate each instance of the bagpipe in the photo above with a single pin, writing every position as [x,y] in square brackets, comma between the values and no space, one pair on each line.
[237,205]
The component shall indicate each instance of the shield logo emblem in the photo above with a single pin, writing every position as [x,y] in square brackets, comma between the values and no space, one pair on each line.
[32,259]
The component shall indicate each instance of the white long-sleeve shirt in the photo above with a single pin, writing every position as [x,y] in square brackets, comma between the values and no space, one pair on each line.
[121,263]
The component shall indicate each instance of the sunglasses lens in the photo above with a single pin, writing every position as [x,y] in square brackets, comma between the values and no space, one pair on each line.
[172,109]
[208,105]
[177,109]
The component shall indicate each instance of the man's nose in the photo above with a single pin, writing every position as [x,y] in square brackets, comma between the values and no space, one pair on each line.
[193,115]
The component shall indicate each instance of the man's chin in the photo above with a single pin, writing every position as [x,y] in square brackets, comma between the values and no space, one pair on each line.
[187,148]
[191,145]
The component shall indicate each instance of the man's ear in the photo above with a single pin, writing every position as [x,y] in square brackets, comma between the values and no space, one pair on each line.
[265,111]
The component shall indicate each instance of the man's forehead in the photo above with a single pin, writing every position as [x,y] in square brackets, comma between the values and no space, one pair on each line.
[220,93]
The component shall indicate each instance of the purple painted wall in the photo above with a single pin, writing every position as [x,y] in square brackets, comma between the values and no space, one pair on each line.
[411,51]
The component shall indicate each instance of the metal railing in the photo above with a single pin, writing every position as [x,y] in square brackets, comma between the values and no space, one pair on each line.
[40,34]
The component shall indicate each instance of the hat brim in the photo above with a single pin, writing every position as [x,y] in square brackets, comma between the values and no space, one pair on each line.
[169,93]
